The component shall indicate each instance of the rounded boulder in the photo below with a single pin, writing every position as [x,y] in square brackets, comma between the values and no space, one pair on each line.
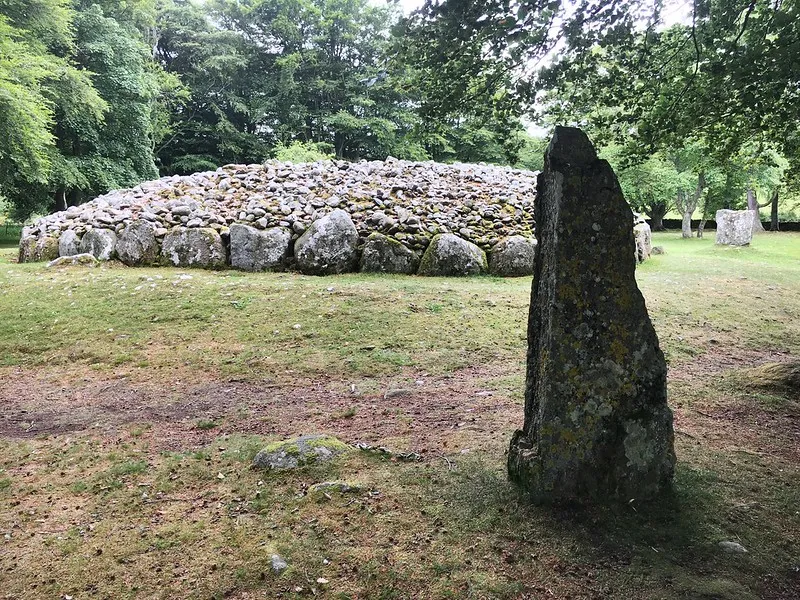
[329,246]
[382,254]
[36,249]
[450,256]
[100,243]
[256,250]
[69,244]
[513,257]
[137,244]
[194,247]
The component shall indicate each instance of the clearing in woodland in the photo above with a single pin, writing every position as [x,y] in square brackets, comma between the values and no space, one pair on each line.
[133,400]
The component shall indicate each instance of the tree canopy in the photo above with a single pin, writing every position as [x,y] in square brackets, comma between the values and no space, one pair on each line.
[98,94]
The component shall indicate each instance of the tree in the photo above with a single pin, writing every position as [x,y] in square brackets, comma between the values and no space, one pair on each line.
[83,109]
[650,187]
[729,77]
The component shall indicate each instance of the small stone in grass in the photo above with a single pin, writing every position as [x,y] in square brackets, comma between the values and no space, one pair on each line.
[279,563]
[732,547]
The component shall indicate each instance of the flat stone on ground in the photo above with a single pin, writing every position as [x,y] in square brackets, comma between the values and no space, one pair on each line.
[298,452]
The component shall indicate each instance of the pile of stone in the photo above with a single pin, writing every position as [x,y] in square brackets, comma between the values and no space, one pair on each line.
[323,217]
[320,218]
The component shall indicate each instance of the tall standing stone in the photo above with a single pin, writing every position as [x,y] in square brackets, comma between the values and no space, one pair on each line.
[597,425]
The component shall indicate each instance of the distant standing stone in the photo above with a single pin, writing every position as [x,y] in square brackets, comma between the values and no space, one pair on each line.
[513,257]
[256,250]
[382,254]
[735,227]
[137,244]
[329,246]
[195,247]
[644,241]
[450,256]
[597,424]
[100,243]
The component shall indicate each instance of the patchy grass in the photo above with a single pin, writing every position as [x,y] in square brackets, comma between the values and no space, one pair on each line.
[134,401]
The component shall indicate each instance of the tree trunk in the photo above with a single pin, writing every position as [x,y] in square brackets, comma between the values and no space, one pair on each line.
[774,225]
[752,204]
[701,227]
[686,226]
[657,212]
[61,200]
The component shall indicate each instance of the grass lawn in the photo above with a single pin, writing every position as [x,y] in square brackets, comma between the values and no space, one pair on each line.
[134,399]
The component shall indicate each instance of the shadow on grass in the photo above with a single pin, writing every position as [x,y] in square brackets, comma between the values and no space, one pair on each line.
[670,548]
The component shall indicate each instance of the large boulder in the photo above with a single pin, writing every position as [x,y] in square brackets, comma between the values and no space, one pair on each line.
[194,247]
[735,227]
[448,255]
[137,244]
[256,250]
[329,245]
[644,241]
[382,254]
[305,450]
[597,425]
[100,243]
[513,257]
[69,244]
[37,249]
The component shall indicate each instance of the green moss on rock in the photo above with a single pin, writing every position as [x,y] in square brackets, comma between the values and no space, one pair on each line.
[298,452]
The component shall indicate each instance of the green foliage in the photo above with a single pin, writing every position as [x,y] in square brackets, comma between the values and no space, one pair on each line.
[299,152]
[77,89]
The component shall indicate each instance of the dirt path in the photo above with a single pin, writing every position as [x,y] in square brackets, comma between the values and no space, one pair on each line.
[411,414]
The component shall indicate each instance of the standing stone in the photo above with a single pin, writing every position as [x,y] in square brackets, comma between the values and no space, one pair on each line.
[255,250]
[100,243]
[137,244]
[329,245]
[644,241]
[450,256]
[735,227]
[597,425]
[69,244]
[196,247]
[382,254]
[513,257]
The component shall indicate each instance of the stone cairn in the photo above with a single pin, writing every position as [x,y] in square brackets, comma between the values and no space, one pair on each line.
[597,425]
[319,218]
[391,216]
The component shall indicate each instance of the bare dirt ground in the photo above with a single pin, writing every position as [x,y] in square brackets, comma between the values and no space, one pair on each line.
[34,404]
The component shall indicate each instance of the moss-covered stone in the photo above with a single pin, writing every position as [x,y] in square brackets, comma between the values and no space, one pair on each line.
[382,254]
[450,256]
[38,249]
[298,452]
[780,379]
[597,424]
